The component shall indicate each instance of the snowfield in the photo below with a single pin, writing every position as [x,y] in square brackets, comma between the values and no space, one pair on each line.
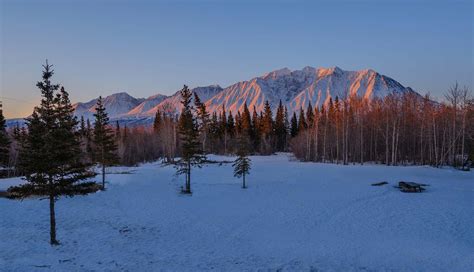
[293,217]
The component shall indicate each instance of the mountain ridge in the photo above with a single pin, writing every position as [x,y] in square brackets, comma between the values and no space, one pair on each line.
[295,88]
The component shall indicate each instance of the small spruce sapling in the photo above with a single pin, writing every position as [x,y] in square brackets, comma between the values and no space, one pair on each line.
[242,164]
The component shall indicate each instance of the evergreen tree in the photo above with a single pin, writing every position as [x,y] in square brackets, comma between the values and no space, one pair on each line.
[230,125]
[223,120]
[229,131]
[247,130]
[287,128]
[190,146]
[4,141]
[301,121]
[256,129]
[267,122]
[260,124]
[82,128]
[89,142]
[50,155]
[105,147]
[157,121]
[268,130]
[309,115]
[117,131]
[214,132]
[238,124]
[280,129]
[246,121]
[294,126]
[224,127]
[203,120]
[242,163]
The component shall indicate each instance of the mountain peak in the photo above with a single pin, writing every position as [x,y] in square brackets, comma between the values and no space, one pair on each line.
[277,73]
[296,89]
[299,88]
[120,94]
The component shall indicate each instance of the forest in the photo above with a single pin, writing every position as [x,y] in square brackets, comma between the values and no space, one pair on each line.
[399,129]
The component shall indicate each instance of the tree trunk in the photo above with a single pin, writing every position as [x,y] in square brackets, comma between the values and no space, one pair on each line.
[103,176]
[243,183]
[463,138]
[188,180]
[225,141]
[52,218]
[361,141]
[324,137]
[316,129]
[435,144]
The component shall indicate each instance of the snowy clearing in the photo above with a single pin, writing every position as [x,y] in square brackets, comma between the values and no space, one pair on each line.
[293,217]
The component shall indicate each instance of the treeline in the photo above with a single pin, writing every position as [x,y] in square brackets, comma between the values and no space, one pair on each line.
[399,129]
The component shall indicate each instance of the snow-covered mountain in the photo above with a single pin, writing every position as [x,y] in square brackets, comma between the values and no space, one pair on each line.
[116,105]
[294,88]
[173,105]
[146,105]
[297,88]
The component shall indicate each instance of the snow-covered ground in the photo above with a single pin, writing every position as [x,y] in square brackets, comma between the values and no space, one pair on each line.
[293,217]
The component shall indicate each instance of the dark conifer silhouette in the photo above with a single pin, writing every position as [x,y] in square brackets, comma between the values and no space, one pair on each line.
[280,129]
[4,141]
[203,120]
[105,147]
[191,153]
[294,126]
[50,154]
[157,122]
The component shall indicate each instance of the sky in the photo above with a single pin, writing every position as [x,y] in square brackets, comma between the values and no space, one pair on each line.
[147,47]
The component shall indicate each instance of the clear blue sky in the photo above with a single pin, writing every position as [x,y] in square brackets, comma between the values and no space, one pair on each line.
[145,47]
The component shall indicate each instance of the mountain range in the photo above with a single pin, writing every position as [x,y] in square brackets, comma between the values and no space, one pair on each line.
[296,89]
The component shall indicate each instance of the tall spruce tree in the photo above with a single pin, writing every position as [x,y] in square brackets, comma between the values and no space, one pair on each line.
[203,120]
[238,124]
[230,129]
[89,141]
[82,126]
[287,127]
[246,121]
[280,129]
[105,146]
[294,126]
[223,127]
[117,131]
[267,121]
[256,130]
[302,121]
[4,141]
[191,153]
[309,115]
[50,154]
[157,122]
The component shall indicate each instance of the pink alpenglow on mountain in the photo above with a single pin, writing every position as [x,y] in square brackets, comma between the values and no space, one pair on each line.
[296,89]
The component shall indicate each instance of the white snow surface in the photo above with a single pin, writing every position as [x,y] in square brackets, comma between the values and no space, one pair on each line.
[293,217]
